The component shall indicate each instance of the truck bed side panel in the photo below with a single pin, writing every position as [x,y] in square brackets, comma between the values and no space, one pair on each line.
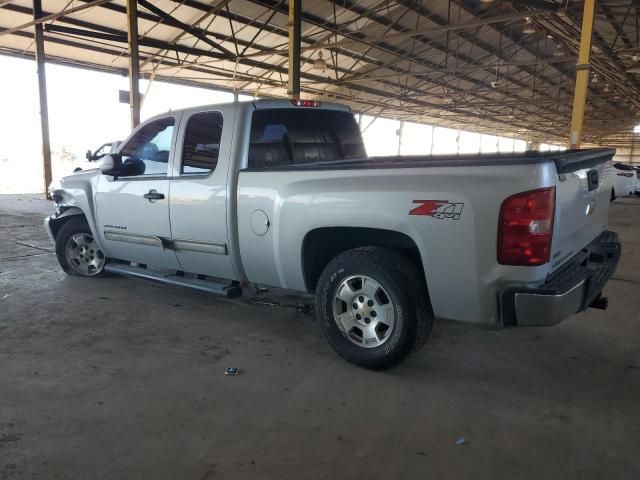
[458,251]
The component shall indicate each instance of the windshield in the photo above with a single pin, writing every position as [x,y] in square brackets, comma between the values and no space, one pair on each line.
[289,136]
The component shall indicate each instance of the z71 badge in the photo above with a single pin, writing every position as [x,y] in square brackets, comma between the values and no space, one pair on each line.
[440,209]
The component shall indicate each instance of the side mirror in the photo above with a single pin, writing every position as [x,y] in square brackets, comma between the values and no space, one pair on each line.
[88,155]
[113,165]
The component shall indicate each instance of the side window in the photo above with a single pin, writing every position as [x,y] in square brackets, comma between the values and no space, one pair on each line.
[201,143]
[149,149]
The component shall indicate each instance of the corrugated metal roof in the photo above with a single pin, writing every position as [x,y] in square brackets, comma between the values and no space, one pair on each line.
[464,64]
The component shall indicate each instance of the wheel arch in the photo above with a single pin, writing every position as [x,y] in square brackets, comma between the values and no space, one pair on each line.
[321,245]
[67,214]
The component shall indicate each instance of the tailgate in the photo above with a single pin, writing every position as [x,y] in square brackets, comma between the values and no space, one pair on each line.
[583,192]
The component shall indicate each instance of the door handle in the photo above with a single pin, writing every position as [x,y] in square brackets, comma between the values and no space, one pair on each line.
[153,195]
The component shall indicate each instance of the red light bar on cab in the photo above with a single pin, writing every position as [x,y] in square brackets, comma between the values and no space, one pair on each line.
[306,103]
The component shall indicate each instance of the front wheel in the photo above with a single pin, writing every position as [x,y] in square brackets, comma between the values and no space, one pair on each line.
[77,251]
[373,308]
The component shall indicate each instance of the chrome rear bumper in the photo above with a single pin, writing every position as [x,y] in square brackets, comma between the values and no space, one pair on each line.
[573,288]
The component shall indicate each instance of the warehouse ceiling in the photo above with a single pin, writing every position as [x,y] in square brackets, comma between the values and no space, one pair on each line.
[501,67]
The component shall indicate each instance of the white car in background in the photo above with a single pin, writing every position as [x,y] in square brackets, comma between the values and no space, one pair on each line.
[93,160]
[626,180]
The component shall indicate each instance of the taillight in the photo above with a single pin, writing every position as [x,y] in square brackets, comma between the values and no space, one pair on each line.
[525,228]
[306,103]
[628,175]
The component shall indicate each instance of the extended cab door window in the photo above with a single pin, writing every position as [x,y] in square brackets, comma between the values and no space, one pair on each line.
[149,149]
[201,147]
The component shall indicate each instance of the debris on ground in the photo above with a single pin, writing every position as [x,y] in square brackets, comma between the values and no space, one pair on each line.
[268,304]
[461,441]
[300,307]
[304,307]
[232,371]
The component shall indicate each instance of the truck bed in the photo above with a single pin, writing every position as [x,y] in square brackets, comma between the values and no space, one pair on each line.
[565,161]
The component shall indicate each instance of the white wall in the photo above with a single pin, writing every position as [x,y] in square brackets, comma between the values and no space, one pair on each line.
[382,138]
[84,112]
[628,154]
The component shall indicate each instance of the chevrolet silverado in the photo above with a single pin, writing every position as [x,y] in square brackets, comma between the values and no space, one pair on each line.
[281,193]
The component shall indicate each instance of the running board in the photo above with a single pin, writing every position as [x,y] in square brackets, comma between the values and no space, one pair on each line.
[229,291]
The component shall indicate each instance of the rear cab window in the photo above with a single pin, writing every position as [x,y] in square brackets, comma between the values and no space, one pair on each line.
[290,136]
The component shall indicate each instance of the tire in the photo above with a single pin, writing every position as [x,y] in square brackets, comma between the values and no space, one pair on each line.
[76,250]
[402,293]
[613,194]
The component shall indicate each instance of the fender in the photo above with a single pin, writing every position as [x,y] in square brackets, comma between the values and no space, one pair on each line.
[74,195]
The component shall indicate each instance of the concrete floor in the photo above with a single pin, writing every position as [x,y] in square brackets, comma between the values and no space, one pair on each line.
[123,379]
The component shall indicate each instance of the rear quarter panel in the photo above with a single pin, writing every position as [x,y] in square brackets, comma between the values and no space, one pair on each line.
[458,255]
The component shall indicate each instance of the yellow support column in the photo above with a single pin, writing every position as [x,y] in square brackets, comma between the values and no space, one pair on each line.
[134,62]
[582,74]
[295,25]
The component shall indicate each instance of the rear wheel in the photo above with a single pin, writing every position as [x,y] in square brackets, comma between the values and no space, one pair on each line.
[77,251]
[373,308]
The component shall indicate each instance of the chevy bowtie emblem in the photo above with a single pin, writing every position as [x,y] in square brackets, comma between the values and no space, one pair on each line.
[591,207]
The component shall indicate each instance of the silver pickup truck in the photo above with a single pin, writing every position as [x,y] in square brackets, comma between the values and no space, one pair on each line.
[282,193]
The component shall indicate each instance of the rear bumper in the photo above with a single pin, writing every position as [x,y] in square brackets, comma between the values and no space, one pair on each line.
[573,288]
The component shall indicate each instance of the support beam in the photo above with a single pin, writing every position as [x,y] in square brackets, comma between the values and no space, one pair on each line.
[295,25]
[170,20]
[432,30]
[122,37]
[53,16]
[134,62]
[582,74]
[42,90]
